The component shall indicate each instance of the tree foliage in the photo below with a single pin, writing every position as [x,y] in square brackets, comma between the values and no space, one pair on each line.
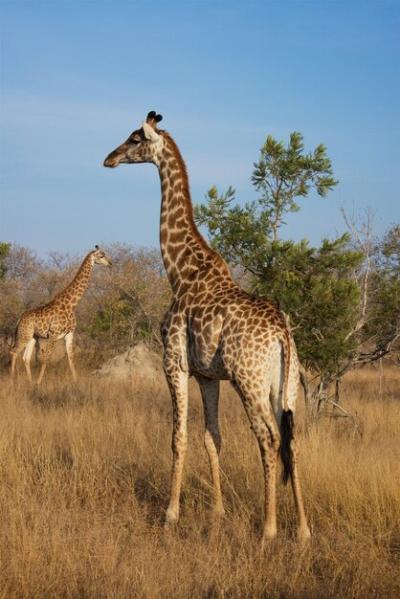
[342,298]
[283,174]
[316,286]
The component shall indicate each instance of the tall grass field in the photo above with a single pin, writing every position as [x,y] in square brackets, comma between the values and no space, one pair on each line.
[84,483]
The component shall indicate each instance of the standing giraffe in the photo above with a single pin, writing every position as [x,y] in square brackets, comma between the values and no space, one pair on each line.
[216,331]
[55,320]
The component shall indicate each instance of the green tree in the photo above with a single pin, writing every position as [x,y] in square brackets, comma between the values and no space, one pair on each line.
[284,174]
[239,233]
[339,299]
[316,286]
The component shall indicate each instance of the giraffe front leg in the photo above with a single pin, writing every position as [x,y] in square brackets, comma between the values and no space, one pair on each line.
[44,357]
[269,449]
[70,354]
[212,437]
[177,380]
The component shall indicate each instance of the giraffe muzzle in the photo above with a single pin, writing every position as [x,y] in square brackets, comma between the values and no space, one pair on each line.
[111,161]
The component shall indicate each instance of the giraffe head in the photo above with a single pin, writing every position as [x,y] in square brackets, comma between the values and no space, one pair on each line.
[143,145]
[100,257]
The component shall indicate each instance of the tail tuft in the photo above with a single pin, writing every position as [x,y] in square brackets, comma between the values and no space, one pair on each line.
[287,428]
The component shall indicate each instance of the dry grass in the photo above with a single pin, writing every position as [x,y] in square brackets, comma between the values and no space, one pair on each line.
[84,476]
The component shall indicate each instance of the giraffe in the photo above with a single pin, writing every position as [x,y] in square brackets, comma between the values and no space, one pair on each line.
[55,320]
[215,331]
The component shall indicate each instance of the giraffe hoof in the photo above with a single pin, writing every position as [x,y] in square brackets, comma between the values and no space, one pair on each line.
[303,535]
[218,512]
[268,536]
[171,518]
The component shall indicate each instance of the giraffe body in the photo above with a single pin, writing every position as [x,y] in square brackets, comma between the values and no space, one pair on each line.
[55,320]
[216,331]
[229,331]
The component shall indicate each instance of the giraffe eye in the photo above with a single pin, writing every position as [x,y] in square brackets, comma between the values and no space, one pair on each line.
[135,139]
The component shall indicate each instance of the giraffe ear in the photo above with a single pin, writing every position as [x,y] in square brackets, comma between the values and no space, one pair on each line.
[149,132]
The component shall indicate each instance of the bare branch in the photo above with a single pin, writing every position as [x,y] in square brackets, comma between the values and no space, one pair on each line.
[363,236]
[347,414]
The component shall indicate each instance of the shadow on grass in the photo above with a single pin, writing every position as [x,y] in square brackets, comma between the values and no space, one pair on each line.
[151,499]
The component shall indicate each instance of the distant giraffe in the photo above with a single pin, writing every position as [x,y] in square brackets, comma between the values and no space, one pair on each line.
[214,330]
[55,320]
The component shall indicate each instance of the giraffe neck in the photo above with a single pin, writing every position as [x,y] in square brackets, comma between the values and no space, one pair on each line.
[74,291]
[183,249]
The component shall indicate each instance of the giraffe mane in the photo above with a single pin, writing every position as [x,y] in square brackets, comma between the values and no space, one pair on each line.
[186,191]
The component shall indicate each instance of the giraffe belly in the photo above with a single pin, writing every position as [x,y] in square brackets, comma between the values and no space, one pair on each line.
[50,332]
[212,369]
[205,356]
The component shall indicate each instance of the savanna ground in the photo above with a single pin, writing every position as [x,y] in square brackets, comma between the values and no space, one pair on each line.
[84,483]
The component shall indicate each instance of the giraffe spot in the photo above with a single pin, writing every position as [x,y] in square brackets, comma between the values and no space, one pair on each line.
[177,236]
[180,222]
[179,212]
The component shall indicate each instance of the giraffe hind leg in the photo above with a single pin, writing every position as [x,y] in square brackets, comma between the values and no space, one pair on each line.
[14,355]
[288,450]
[212,437]
[70,354]
[23,337]
[255,398]
[289,455]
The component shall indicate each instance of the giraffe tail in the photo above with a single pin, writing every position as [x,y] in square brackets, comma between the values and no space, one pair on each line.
[287,419]
[287,429]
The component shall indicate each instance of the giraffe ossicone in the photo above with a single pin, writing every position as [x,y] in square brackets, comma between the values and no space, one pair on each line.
[215,331]
[54,320]
[150,133]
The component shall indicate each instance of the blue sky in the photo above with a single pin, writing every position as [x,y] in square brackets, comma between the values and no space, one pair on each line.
[77,77]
